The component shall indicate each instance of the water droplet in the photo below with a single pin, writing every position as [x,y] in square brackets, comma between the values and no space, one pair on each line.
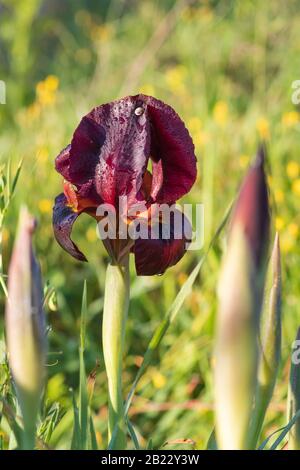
[138,111]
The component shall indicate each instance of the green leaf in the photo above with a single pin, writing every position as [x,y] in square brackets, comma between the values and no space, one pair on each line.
[3,285]
[285,431]
[212,442]
[75,444]
[265,442]
[15,180]
[150,445]
[49,424]
[83,395]
[92,436]
[133,434]
[12,420]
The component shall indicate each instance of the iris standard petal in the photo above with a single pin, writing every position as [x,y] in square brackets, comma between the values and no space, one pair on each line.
[154,256]
[111,148]
[172,147]
[86,146]
[62,162]
[63,220]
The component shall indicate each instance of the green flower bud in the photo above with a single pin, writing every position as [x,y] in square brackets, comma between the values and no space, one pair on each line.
[240,299]
[25,326]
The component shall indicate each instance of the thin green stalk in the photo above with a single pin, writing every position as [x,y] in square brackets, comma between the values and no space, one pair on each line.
[116,300]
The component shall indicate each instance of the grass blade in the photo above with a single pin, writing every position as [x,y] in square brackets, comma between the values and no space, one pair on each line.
[133,435]
[83,396]
[15,179]
[285,431]
[265,442]
[92,436]
[212,442]
[75,444]
[12,420]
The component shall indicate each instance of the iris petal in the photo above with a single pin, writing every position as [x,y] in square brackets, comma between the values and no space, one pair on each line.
[63,220]
[154,256]
[86,146]
[62,162]
[171,145]
[112,144]
[110,148]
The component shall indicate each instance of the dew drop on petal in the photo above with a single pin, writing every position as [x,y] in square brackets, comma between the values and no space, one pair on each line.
[138,111]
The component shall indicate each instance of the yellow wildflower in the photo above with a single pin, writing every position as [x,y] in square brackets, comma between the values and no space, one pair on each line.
[262,126]
[51,83]
[158,379]
[147,89]
[244,161]
[286,243]
[175,78]
[206,13]
[91,234]
[293,229]
[220,113]
[45,205]
[46,90]
[293,169]
[102,33]
[296,187]
[201,139]
[194,125]
[42,154]
[33,111]
[279,195]
[290,118]
[279,223]
[182,277]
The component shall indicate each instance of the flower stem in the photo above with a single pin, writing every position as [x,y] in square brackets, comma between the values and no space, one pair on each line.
[116,300]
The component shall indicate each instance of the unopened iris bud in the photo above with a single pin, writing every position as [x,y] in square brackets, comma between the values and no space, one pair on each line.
[240,298]
[270,343]
[25,326]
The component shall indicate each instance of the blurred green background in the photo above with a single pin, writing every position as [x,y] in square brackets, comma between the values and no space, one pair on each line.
[227,67]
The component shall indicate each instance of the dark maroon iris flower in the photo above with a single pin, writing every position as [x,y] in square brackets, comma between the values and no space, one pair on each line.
[109,157]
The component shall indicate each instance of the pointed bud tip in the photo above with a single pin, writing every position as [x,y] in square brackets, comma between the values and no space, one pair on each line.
[252,209]
[261,156]
[27,221]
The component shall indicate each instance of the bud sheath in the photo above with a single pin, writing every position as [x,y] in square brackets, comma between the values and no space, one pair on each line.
[25,326]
